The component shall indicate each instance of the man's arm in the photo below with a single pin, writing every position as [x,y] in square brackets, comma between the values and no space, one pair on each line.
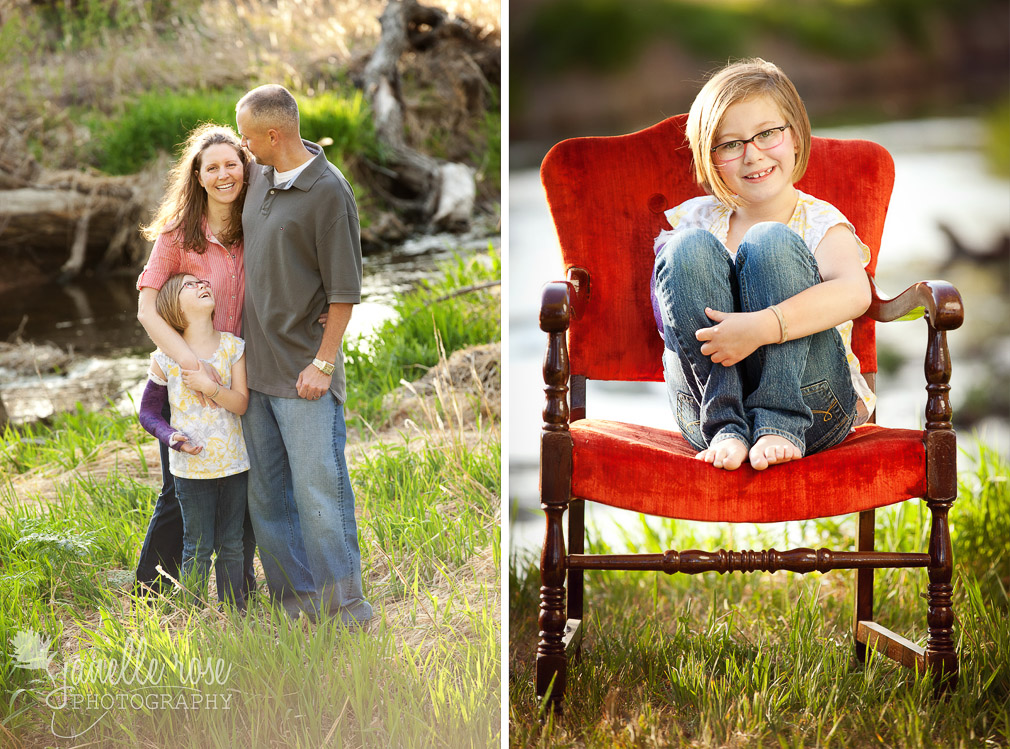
[312,383]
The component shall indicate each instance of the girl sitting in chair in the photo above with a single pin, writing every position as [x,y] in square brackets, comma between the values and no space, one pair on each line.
[756,285]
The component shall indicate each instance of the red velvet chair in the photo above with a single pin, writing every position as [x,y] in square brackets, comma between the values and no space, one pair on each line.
[607,197]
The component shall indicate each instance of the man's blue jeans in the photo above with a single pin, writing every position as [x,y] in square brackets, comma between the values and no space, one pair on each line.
[213,511]
[302,504]
[800,390]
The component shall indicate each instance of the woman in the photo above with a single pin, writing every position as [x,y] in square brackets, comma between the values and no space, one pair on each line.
[198,230]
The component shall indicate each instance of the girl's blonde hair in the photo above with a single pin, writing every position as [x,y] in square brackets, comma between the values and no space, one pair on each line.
[732,84]
[167,304]
[184,206]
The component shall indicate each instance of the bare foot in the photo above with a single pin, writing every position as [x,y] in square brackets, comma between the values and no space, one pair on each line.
[728,454]
[771,450]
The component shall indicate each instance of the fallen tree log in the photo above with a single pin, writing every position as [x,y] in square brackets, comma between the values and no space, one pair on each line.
[441,193]
[69,220]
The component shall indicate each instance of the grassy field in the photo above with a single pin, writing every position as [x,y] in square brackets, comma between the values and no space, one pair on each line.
[84,662]
[767,660]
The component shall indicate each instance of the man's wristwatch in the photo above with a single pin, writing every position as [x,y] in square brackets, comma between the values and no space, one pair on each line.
[323,366]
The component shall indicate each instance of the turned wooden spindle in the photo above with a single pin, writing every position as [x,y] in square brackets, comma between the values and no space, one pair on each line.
[941,491]
[555,492]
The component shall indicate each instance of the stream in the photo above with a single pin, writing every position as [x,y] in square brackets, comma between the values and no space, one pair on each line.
[95,320]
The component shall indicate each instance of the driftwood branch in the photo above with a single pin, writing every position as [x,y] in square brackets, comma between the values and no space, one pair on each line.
[442,193]
[66,217]
[460,292]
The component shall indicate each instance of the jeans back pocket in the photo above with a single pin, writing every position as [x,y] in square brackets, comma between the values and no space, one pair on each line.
[689,420]
[831,423]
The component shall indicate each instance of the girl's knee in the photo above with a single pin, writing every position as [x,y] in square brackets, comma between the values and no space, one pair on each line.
[770,242]
[689,251]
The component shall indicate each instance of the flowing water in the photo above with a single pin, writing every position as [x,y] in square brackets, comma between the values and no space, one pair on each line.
[940,179]
[96,320]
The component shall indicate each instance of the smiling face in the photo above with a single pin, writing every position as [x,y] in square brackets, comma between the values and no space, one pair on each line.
[195,297]
[758,176]
[221,173]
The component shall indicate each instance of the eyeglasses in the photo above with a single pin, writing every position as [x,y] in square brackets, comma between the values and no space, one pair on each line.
[732,150]
[195,284]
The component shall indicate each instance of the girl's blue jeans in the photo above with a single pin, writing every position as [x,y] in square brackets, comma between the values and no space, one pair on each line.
[213,514]
[800,390]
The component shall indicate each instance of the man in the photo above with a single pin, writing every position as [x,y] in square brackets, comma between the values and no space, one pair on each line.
[302,256]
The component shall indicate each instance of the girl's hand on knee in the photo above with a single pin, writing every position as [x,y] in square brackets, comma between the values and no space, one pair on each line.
[736,335]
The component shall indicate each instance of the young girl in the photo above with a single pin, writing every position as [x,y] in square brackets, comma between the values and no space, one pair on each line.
[756,285]
[209,460]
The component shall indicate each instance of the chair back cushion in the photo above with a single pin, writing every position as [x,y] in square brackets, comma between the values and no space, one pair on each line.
[607,197]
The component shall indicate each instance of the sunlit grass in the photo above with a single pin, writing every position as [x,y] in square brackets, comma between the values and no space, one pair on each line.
[405,348]
[756,659]
[425,673]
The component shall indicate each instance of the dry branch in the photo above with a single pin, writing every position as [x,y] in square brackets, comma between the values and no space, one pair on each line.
[441,192]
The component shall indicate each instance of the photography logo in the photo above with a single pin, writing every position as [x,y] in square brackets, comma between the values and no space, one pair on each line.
[32,651]
[134,680]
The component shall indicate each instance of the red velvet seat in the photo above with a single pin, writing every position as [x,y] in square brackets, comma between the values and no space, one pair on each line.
[607,198]
[654,471]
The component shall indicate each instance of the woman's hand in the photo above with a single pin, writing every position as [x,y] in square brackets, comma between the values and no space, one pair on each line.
[736,335]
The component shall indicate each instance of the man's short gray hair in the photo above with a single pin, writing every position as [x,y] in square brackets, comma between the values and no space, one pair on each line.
[271,106]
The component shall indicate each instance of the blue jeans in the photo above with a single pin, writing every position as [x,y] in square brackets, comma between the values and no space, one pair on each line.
[163,542]
[800,390]
[213,511]
[302,504]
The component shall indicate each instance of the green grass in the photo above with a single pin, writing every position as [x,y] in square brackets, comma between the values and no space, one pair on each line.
[426,673]
[405,348]
[64,441]
[997,144]
[86,23]
[766,660]
[124,142]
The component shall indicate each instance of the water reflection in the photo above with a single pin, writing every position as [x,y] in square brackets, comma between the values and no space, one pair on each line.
[96,318]
[941,178]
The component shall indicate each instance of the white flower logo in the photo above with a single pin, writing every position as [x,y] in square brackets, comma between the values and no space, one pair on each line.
[32,650]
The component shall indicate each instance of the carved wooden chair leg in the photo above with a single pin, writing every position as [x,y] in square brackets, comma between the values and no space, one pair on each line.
[940,656]
[555,492]
[574,627]
[941,491]
[864,582]
[551,658]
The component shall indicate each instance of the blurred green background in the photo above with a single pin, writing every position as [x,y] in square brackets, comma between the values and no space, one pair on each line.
[586,67]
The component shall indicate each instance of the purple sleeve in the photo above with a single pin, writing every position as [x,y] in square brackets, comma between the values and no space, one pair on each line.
[151,405]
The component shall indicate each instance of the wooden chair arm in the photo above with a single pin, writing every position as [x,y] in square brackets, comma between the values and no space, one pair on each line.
[563,301]
[938,300]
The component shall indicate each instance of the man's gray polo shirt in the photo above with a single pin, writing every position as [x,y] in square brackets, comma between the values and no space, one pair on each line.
[302,253]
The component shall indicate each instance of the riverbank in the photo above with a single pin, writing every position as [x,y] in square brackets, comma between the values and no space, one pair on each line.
[89,134]
[77,493]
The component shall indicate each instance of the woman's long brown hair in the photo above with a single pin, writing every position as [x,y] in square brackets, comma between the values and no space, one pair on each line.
[184,206]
